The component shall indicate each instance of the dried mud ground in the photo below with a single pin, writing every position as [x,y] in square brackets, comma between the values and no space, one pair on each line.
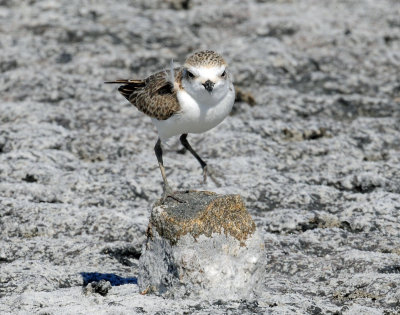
[317,159]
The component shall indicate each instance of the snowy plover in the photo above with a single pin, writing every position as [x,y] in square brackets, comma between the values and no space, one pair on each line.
[190,99]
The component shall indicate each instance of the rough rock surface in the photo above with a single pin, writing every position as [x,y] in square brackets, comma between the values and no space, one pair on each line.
[205,247]
[317,159]
[201,213]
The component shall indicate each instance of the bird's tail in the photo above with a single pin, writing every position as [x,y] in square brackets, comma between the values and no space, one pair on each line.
[128,86]
[139,83]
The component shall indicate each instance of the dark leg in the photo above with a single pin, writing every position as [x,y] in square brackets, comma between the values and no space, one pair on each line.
[203,164]
[168,192]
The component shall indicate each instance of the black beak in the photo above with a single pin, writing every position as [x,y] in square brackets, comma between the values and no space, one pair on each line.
[208,85]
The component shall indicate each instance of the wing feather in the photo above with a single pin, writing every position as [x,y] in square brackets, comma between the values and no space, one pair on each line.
[155,96]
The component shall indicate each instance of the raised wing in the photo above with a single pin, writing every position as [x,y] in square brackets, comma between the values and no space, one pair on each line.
[154,96]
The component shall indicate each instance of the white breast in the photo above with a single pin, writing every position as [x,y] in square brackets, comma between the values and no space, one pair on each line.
[195,116]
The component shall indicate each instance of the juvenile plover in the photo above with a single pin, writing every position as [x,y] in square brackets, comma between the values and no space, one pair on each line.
[190,99]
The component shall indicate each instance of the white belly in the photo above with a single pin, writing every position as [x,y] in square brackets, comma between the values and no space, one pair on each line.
[195,117]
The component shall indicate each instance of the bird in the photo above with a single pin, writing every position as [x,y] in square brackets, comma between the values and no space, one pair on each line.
[192,98]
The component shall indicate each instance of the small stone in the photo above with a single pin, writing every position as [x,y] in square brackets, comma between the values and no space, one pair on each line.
[180,4]
[101,287]
[64,58]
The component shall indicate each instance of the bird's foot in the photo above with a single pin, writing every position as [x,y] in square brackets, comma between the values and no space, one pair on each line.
[169,193]
[211,173]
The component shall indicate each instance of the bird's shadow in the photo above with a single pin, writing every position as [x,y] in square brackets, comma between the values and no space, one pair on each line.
[115,280]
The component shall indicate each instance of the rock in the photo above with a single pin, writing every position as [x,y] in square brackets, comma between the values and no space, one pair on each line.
[207,246]
[102,287]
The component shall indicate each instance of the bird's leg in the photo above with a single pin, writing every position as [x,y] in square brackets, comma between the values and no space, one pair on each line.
[203,164]
[168,192]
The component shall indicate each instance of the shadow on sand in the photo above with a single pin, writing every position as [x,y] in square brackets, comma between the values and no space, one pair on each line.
[115,280]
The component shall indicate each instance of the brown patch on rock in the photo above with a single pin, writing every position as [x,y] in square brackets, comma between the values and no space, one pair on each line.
[203,213]
[179,4]
[242,96]
[312,134]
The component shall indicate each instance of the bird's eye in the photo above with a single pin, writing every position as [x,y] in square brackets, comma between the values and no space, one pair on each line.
[190,75]
[223,74]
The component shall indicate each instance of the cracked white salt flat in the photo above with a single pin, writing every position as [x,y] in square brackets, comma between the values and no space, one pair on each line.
[316,159]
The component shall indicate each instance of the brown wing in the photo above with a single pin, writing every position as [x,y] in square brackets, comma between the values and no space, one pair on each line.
[154,96]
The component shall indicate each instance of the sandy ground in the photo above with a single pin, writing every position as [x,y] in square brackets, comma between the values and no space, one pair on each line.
[317,159]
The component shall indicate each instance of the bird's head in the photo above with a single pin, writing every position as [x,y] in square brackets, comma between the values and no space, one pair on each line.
[205,76]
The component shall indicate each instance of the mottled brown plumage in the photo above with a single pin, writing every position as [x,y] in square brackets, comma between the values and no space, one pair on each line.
[154,96]
[205,58]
